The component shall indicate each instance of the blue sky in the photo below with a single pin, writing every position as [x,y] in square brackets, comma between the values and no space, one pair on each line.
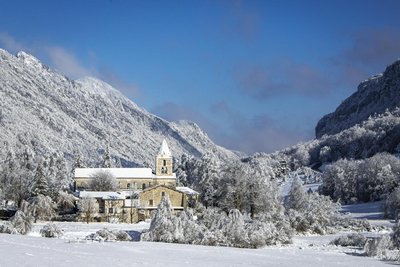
[255,75]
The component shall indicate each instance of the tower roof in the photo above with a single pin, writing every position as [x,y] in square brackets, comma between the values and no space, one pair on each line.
[164,149]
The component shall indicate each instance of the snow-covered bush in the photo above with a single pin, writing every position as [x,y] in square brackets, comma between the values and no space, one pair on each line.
[343,222]
[312,213]
[109,235]
[353,240]
[234,229]
[395,236]
[51,230]
[213,227]
[6,228]
[20,223]
[379,247]
[392,204]
[122,235]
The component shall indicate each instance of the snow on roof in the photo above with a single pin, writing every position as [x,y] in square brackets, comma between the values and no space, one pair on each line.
[164,149]
[116,172]
[187,190]
[102,195]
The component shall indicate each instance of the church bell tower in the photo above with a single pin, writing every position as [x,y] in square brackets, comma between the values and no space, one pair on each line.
[164,160]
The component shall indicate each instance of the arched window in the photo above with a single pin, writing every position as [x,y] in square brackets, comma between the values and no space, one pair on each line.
[128,185]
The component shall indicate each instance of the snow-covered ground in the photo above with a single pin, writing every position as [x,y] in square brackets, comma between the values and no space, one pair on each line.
[16,250]
[73,250]
[372,211]
[77,231]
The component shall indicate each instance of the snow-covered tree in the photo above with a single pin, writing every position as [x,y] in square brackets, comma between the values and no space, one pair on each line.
[297,198]
[163,224]
[41,186]
[208,171]
[107,161]
[78,160]
[65,201]
[233,229]
[41,207]
[103,180]
[89,208]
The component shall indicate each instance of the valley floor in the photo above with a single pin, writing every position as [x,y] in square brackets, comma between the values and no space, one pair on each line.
[73,250]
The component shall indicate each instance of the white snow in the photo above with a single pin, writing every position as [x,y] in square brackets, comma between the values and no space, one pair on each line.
[187,190]
[102,195]
[16,250]
[164,150]
[144,173]
[373,211]
[73,250]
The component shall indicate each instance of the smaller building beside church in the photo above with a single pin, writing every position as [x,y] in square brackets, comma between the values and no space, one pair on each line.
[140,190]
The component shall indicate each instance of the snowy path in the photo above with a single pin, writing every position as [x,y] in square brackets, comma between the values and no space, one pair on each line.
[16,250]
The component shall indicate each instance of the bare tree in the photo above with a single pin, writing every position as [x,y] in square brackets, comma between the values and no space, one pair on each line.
[103,180]
[89,208]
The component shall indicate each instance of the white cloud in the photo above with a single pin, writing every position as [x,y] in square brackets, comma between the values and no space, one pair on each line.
[66,62]
[9,43]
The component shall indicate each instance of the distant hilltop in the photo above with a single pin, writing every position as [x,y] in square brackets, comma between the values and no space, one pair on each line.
[373,96]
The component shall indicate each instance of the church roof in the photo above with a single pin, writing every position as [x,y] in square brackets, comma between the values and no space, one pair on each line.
[102,195]
[164,149]
[116,172]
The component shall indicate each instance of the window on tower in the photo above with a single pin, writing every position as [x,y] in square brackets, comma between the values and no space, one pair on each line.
[164,170]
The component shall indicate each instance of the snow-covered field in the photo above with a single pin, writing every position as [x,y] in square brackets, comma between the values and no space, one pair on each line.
[73,250]
[17,250]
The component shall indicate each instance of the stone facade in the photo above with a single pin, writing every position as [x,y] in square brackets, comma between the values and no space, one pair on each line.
[150,198]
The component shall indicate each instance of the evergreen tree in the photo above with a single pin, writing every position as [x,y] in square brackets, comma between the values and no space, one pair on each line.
[208,172]
[297,197]
[8,174]
[23,180]
[63,177]
[41,186]
[78,159]
[107,162]
[117,162]
[163,224]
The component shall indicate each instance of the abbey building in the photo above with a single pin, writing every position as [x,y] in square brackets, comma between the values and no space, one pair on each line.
[139,190]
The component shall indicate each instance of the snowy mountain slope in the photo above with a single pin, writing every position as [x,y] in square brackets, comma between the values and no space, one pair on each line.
[49,112]
[374,95]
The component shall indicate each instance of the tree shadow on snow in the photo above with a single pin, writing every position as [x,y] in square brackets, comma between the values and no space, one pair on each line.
[135,235]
